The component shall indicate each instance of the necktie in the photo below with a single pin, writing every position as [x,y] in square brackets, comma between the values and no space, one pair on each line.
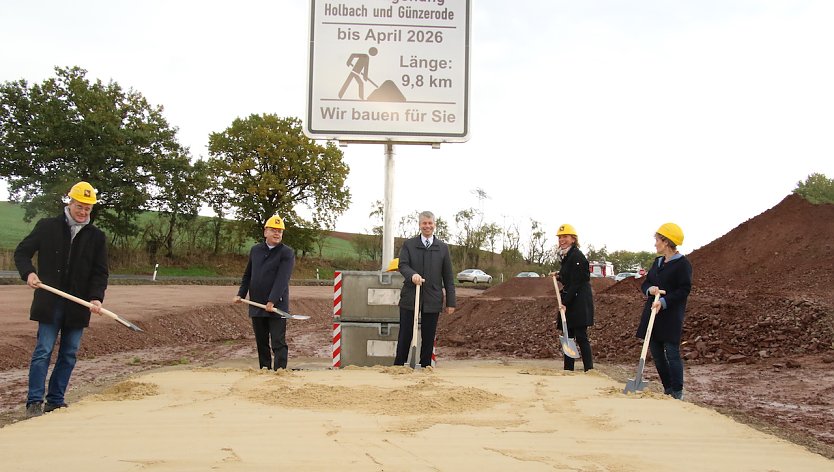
[427,243]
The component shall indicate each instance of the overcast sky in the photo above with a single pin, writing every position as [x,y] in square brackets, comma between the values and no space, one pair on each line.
[614,116]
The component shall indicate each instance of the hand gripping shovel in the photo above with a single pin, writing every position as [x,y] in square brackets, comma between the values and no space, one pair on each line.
[637,384]
[279,312]
[104,311]
[413,360]
[568,344]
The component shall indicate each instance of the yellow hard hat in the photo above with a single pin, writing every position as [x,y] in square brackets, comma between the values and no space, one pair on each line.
[83,192]
[566,229]
[275,222]
[394,265]
[672,232]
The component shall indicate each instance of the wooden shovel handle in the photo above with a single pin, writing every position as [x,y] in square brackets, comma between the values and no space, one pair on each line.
[75,299]
[651,323]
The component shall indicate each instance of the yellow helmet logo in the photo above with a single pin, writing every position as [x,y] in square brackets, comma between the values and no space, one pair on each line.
[83,192]
[275,222]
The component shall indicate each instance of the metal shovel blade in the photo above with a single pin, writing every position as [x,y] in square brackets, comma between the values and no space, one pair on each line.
[569,347]
[130,325]
[288,316]
[413,361]
[637,384]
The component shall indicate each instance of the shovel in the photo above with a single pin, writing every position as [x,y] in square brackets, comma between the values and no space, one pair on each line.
[637,384]
[279,312]
[104,311]
[413,361]
[568,344]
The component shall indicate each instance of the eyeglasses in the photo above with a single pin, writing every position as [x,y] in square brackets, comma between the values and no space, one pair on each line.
[82,208]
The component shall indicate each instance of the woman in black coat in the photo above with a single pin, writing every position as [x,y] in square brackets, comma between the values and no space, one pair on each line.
[577,297]
[672,273]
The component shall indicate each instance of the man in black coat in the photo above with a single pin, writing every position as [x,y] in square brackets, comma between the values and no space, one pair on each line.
[72,257]
[267,280]
[424,261]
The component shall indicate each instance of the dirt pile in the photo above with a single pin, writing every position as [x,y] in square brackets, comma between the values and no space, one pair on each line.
[787,250]
[763,291]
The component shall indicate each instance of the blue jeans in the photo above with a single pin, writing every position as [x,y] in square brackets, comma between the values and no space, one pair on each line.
[58,381]
[667,360]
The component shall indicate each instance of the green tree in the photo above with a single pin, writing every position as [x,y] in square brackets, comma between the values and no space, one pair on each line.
[267,166]
[600,255]
[817,189]
[179,194]
[441,228]
[627,261]
[68,129]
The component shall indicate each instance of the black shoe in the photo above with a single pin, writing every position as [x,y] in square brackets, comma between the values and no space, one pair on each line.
[34,409]
[50,407]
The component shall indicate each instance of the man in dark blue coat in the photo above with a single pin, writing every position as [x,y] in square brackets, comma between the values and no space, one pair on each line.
[267,280]
[424,261]
[72,257]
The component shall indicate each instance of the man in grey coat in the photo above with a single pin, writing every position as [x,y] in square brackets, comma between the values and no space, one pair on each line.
[424,261]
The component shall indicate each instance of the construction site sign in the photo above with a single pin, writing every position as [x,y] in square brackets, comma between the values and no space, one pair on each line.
[389,70]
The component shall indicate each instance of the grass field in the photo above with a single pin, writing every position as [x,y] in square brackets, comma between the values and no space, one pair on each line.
[12,226]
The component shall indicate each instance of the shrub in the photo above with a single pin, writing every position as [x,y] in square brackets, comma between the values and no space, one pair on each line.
[817,189]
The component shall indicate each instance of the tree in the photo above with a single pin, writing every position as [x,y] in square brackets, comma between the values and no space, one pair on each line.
[68,129]
[491,233]
[510,243]
[441,228]
[409,224]
[817,189]
[627,261]
[470,236]
[267,166]
[597,254]
[179,194]
[371,244]
[538,243]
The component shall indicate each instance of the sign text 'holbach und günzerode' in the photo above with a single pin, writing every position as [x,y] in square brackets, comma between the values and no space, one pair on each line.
[389,70]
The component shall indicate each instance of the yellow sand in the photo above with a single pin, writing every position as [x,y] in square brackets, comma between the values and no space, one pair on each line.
[480,416]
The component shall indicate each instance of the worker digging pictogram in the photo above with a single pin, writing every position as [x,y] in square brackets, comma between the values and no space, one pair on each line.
[359,63]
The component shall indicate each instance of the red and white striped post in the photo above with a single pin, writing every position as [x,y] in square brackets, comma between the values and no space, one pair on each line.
[434,353]
[337,317]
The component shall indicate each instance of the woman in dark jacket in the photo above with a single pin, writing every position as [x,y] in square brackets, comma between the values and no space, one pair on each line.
[577,297]
[672,273]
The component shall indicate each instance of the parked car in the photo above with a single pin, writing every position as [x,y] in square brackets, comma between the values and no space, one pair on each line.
[625,275]
[527,274]
[474,276]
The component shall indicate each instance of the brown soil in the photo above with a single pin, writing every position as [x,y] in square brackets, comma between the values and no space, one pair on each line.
[758,339]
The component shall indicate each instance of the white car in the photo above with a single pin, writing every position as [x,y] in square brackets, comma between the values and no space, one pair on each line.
[474,276]
[527,274]
[625,275]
